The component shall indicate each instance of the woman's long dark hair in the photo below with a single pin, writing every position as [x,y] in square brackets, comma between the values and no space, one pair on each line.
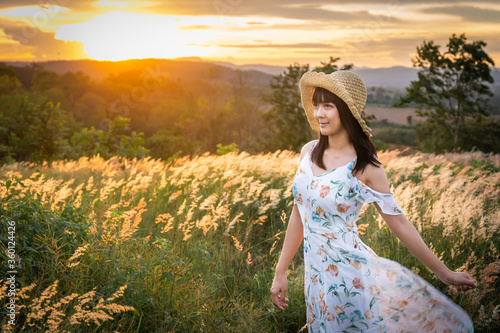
[365,149]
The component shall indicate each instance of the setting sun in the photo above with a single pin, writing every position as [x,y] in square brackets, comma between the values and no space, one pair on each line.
[120,35]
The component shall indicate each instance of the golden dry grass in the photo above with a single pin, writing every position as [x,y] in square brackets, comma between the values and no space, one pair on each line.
[234,207]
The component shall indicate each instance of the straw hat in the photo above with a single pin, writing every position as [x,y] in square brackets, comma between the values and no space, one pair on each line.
[347,85]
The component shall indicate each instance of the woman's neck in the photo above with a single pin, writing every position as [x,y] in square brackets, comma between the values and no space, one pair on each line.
[339,141]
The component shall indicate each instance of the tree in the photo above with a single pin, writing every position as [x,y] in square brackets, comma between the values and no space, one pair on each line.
[451,87]
[9,82]
[9,85]
[74,86]
[166,144]
[33,133]
[44,80]
[5,70]
[109,142]
[287,119]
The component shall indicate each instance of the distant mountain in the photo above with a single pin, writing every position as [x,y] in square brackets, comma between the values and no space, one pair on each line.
[269,69]
[184,69]
[392,77]
[397,77]
[190,68]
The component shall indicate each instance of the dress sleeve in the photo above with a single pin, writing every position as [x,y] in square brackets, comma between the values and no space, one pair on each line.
[386,201]
[297,198]
[294,193]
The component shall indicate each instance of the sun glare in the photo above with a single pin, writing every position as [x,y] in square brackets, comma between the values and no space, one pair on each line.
[120,35]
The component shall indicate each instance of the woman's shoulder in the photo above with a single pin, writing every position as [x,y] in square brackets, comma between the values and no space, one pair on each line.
[375,177]
[306,148]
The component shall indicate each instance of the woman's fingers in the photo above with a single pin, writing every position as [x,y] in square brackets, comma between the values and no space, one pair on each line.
[462,287]
[283,303]
[464,282]
[283,298]
[472,283]
[275,295]
[279,299]
[468,282]
[278,292]
[276,298]
[461,281]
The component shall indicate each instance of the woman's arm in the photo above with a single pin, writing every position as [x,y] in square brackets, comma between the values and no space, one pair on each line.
[293,239]
[376,179]
[410,237]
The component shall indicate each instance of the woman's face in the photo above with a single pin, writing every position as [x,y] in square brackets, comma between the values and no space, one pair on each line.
[327,116]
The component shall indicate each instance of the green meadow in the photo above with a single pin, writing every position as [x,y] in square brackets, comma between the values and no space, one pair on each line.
[190,245]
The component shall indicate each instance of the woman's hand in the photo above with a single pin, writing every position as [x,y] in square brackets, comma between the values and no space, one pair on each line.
[293,238]
[460,280]
[278,291]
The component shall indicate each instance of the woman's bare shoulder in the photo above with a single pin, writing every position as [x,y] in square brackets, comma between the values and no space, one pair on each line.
[376,178]
[306,148]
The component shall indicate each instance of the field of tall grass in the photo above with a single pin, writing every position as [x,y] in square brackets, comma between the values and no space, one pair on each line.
[190,245]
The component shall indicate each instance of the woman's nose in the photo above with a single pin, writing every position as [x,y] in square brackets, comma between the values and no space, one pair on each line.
[319,110]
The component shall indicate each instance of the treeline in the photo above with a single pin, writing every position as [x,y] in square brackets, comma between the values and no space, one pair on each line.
[132,113]
[381,96]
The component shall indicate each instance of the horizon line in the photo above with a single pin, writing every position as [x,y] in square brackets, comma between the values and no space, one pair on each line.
[190,58]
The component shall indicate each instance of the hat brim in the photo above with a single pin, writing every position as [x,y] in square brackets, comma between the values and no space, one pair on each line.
[344,84]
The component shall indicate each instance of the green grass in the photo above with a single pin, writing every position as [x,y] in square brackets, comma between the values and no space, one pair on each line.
[193,278]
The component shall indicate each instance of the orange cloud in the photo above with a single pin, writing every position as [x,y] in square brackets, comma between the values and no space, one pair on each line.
[28,42]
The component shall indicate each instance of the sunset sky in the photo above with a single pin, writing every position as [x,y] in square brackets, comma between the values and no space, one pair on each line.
[373,33]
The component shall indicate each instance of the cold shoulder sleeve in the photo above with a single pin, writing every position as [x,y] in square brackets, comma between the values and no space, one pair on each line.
[386,201]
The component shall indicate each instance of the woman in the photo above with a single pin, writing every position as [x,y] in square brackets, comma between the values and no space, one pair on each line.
[348,287]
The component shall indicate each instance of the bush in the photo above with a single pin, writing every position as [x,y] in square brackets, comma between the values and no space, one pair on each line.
[398,135]
[482,135]
[223,150]
[33,132]
[165,144]
[109,142]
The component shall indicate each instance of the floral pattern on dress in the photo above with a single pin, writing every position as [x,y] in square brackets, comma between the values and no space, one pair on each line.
[348,288]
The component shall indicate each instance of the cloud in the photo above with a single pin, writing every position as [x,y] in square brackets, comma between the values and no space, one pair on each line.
[239,8]
[39,44]
[372,31]
[122,4]
[293,9]
[250,7]
[219,7]
[312,13]
[403,49]
[71,4]
[280,46]
[198,27]
[468,13]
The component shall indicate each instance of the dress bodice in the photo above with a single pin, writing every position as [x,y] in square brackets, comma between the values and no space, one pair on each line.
[330,203]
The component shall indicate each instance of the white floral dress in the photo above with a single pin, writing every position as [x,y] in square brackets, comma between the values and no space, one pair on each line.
[348,288]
